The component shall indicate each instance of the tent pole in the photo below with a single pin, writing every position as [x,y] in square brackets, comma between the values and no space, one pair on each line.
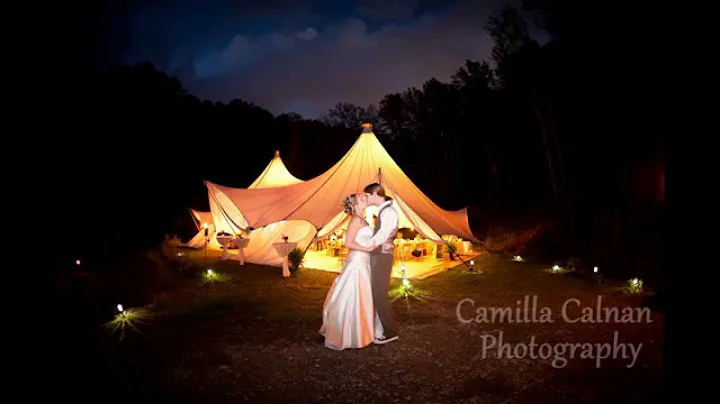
[194,219]
[229,222]
[457,255]
[310,243]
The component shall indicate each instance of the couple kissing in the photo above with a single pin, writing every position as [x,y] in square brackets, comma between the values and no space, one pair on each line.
[357,311]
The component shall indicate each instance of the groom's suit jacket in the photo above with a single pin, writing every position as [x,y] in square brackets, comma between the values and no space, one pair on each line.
[387,228]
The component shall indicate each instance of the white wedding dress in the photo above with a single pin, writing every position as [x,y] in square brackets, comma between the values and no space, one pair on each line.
[349,317]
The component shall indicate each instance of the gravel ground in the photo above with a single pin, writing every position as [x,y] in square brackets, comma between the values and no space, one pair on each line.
[253,338]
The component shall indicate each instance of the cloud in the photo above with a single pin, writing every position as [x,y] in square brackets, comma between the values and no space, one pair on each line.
[308,34]
[350,60]
[354,36]
[243,50]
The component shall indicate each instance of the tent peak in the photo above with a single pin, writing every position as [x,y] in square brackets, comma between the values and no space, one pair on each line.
[277,153]
[367,127]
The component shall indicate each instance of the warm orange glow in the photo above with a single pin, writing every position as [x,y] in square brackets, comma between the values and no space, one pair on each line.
[367,125]
[275,174]
[205,225]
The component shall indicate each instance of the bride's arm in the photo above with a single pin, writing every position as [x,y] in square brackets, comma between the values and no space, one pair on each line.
[353,228]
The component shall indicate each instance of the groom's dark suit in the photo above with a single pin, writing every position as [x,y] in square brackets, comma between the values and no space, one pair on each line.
[381,262]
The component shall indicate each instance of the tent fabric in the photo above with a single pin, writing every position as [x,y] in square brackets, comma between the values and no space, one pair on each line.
[260,249]
[224,216]
[318,200]
[227,217]
[198,241]
[201,218]
[275,174]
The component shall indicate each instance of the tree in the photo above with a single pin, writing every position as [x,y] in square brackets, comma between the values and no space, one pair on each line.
[515,56]
[508,29]
[474,76]
[344,114]
[394,114]
[290,117]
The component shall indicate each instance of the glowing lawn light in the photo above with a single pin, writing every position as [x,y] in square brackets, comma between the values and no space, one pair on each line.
[556,268]
[205,225]
[471,268]
[120,308]
[77,262]
[595,269]
[517,258]
[405,281]
[635,285]
[209,271]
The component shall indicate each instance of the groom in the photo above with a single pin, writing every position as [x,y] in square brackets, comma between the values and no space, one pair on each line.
[381,260]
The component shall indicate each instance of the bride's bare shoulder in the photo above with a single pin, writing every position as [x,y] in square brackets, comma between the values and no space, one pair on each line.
[358,222]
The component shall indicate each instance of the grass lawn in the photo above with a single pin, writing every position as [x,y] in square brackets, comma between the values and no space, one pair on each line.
[253,337]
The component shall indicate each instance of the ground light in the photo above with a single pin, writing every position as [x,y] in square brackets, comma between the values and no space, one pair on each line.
[556,269]
[125,319]
[210,276]
[517,258]
[471,268]
[406,288]
[635,285]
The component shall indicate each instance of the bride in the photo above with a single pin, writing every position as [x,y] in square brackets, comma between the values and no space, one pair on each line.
[349,317]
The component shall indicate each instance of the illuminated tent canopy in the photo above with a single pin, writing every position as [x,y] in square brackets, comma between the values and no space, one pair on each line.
[317,202]
[259,249]
[275,175]
[203,220]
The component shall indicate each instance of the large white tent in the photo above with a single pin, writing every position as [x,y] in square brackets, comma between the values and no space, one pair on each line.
[259,249]
[311,209]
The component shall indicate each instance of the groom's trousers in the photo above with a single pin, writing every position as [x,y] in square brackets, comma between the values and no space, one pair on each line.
[380,271]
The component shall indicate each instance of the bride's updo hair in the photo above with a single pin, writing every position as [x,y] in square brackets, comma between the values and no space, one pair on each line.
[348,205]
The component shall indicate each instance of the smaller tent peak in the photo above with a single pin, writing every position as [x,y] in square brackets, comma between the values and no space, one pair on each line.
[277,153]
[367,127]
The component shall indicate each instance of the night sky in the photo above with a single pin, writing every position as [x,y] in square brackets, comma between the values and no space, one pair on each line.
[304,57]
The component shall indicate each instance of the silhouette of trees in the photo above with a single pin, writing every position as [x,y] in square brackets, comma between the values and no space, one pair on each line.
[351,116]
